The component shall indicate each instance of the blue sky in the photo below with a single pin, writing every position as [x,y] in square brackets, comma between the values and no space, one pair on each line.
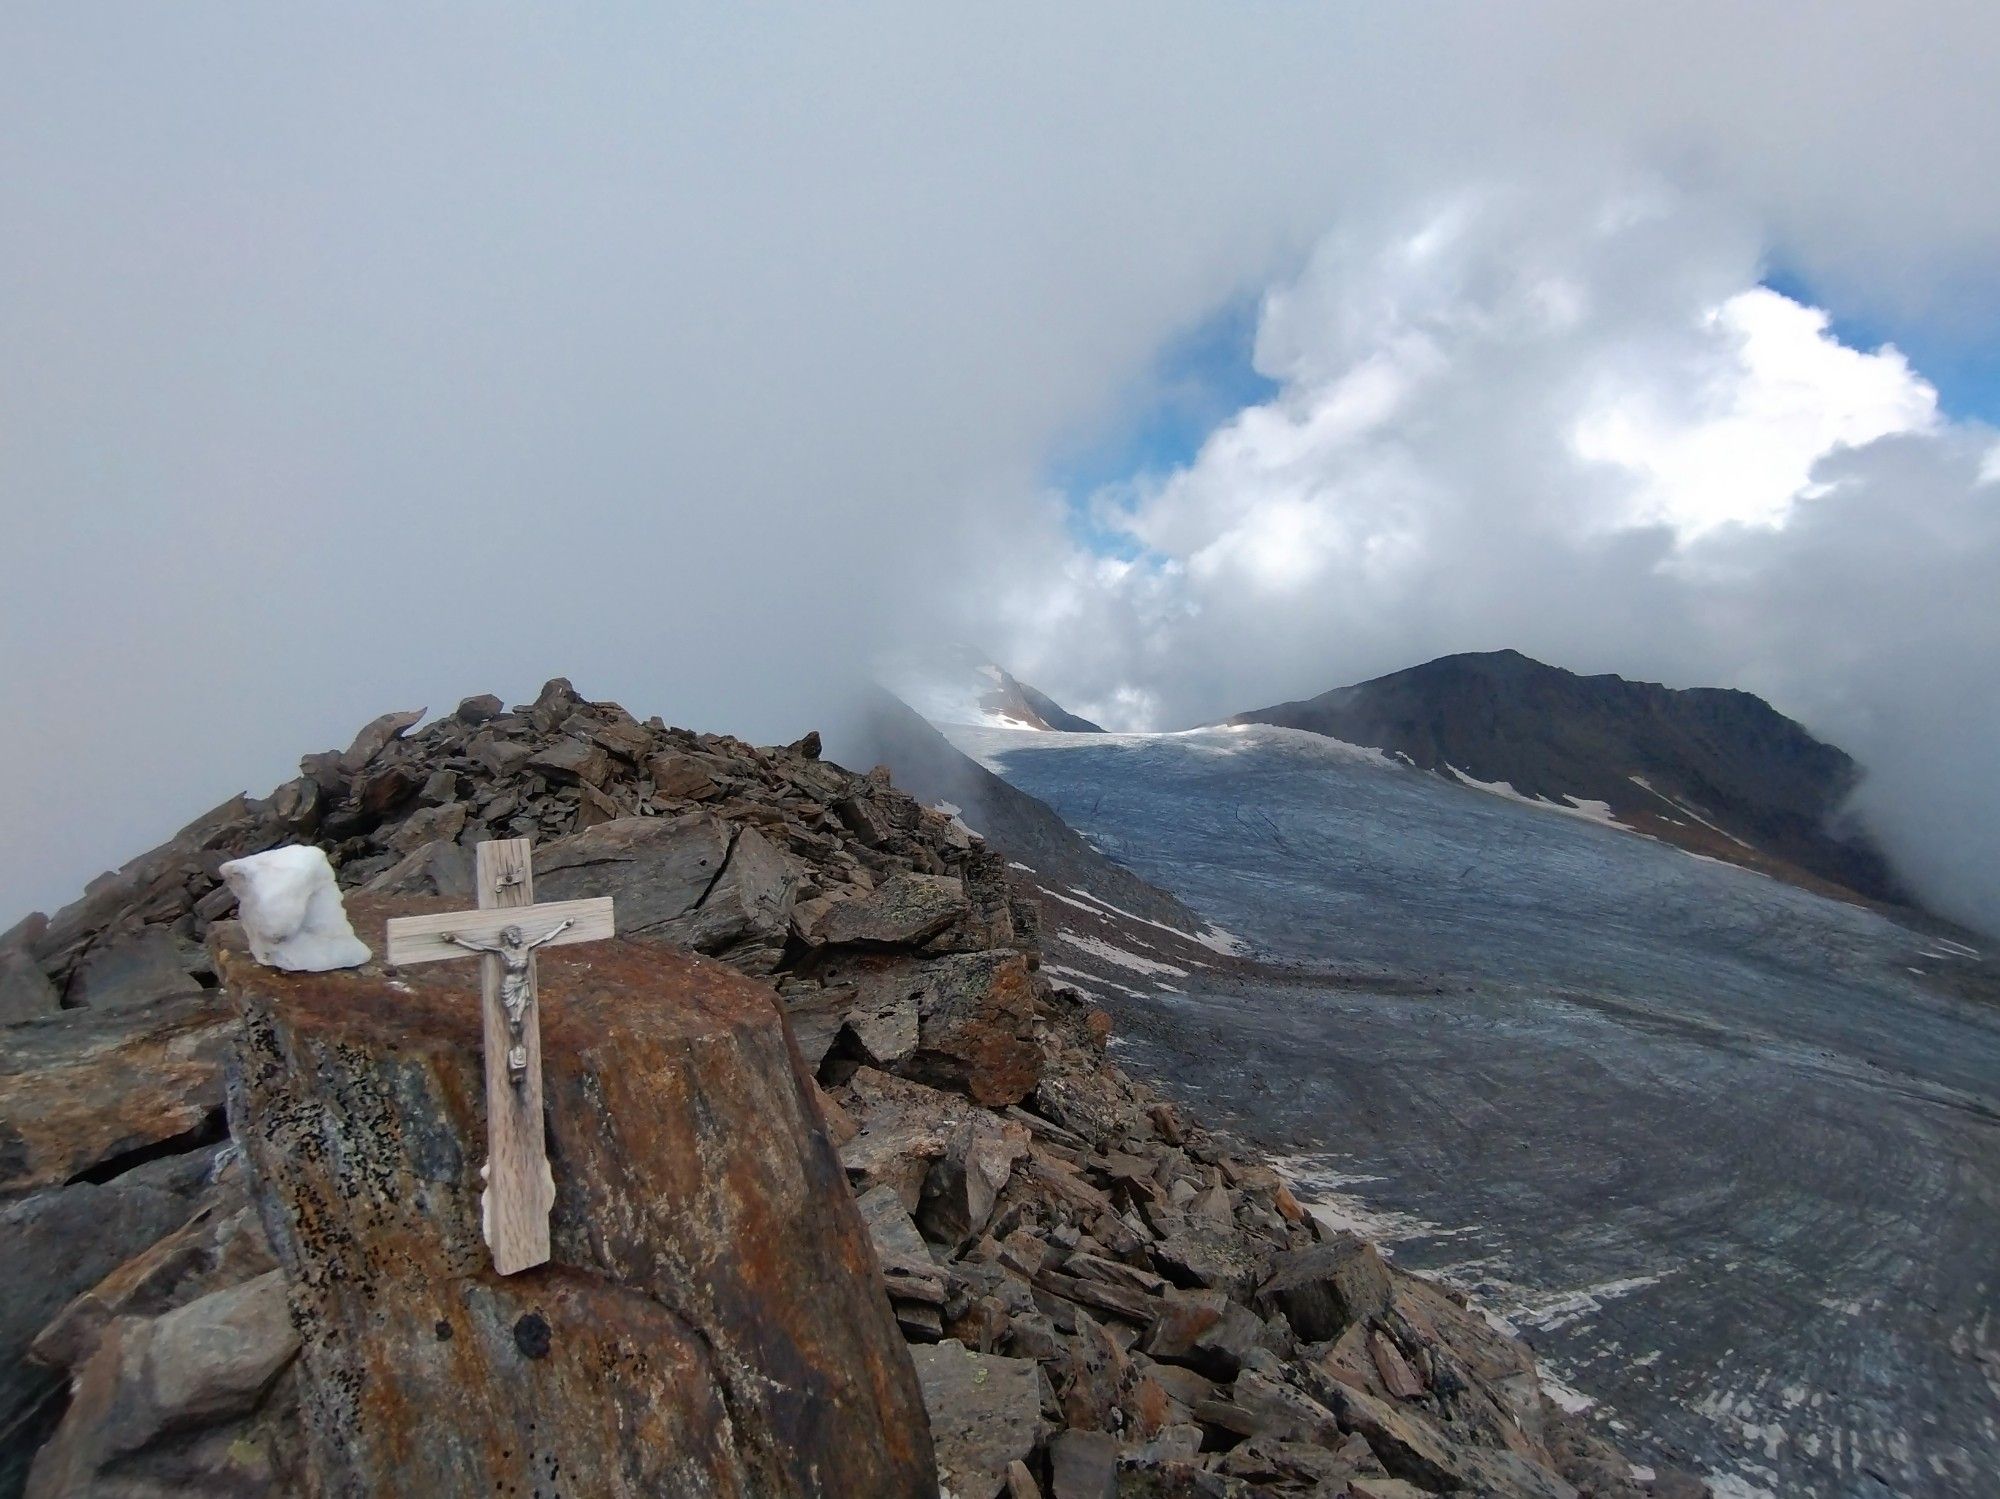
[1964,367]
[1200,379]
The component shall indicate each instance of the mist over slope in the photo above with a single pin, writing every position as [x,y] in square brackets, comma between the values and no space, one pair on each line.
[962,684]
[937,772]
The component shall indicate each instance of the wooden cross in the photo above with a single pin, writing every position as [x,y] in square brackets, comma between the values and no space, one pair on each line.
[505,931]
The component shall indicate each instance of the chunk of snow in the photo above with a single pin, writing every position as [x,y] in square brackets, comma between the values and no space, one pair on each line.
[291,910]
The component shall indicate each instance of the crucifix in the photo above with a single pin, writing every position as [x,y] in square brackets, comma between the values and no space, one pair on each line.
[505,933]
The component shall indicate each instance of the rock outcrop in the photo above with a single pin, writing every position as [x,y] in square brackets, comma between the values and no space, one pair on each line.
[709,1322]
[1102,1296]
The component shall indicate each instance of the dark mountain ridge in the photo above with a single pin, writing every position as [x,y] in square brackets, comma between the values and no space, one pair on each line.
[1044,710]
[1715,770]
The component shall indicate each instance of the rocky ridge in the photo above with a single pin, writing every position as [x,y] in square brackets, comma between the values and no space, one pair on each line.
[1101,1296]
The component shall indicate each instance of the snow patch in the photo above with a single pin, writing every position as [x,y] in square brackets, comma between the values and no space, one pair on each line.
[1645,785]
[1736,1486]
[945,695]
[1580,807]
[1097,947]
[291,910]
[1565,1395]
[1319,1185]
[1077,979]
[1565,1307]
[954,812]
[1212,937]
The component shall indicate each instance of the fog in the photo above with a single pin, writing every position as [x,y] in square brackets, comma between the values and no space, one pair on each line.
[357,359]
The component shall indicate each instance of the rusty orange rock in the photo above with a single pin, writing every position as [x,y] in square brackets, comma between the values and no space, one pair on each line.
[711,1321]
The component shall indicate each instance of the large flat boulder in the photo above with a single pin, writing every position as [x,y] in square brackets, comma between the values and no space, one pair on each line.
[83,1090]
[903,911]
[711,1321]
[697,880]
[986,1412]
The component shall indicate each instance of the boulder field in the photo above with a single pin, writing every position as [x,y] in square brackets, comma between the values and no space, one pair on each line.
[849,1201]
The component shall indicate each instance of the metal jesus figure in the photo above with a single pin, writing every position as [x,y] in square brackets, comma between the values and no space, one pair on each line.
[519,1193]
[516,991]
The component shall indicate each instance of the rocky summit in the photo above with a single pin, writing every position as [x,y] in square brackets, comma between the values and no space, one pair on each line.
[849,1200]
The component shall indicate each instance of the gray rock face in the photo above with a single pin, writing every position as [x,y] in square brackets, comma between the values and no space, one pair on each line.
[214,1357]
[135,970]
[1084,1465]
[963,1186]
[25,991]
[375,736]
[1206,1331]
[974,1015]
[222,1244]
[693,880]
[985,1412]
[572,760]
[1325,1289]
[436,868]
[196,1366]
[898,1246]
[902,912]
[83,1094]
[430,825]
[677,774]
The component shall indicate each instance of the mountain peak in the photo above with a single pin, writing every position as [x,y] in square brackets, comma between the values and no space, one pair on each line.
[1718,771]
[962,685]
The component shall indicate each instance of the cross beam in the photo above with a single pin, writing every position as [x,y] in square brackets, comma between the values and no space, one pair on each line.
[505,932]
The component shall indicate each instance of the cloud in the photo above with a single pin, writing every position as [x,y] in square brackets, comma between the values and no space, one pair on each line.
[358,358]
[1739,450]
[1579,426]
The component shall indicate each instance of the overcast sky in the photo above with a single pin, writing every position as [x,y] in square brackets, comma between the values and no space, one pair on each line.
[354,359]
